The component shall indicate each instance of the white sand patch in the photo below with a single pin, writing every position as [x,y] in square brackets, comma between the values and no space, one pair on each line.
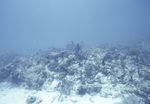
[13,96]
[20,95]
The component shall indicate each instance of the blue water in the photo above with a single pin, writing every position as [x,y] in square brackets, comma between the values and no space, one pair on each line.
[27,25]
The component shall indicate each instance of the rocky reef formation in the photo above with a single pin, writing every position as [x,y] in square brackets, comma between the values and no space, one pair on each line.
[79,69]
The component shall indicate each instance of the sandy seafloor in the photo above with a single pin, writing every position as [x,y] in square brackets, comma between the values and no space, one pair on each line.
[18,95]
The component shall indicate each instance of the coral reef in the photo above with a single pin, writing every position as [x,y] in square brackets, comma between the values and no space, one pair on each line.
[79,70]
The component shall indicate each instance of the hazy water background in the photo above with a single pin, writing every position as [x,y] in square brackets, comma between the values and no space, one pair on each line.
[30,25]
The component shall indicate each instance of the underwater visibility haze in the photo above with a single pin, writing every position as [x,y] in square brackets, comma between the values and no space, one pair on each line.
[74,51]
[35,24]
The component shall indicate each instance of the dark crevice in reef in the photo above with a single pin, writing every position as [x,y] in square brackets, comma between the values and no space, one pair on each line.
[81,69]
